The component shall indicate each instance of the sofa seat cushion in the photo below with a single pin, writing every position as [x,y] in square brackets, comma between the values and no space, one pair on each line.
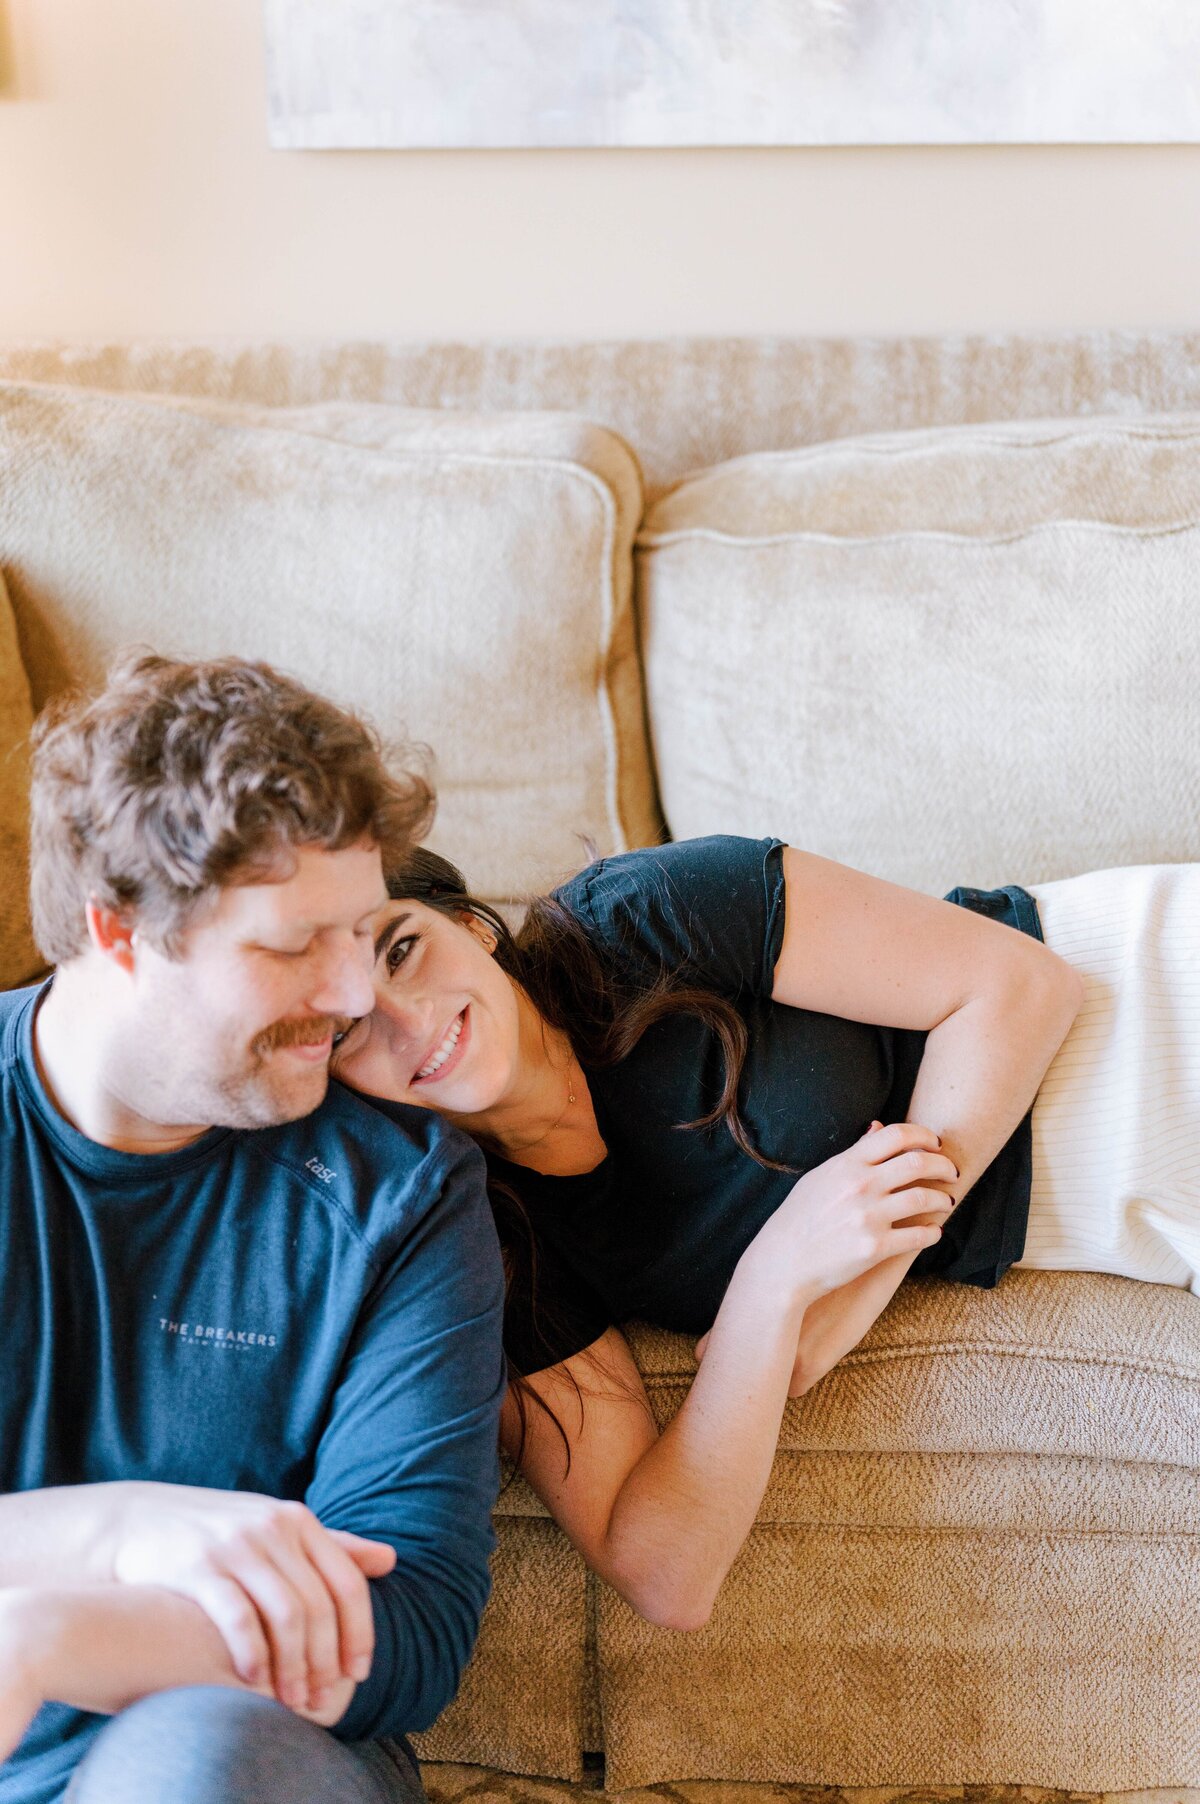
[461,579]
[20,961]
[964,655]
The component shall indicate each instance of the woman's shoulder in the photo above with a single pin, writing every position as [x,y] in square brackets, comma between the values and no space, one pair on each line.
[703,905]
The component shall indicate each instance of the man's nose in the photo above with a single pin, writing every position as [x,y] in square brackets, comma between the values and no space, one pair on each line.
[345,985]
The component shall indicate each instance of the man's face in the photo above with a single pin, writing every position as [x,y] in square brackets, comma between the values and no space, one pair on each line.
[237,1030]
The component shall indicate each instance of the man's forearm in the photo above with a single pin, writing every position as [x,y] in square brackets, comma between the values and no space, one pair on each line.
[102,1647]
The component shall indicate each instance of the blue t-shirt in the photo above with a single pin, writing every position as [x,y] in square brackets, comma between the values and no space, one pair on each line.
[657,1228]
[309,1311]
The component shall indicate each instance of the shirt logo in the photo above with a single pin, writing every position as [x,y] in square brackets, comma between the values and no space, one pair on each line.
[210,1334]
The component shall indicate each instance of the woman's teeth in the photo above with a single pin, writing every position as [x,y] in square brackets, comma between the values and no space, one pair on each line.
[443,1052]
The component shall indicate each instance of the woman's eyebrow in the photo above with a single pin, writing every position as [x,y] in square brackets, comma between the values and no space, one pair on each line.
[384,938]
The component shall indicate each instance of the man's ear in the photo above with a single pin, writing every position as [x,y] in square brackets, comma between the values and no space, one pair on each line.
[111,934]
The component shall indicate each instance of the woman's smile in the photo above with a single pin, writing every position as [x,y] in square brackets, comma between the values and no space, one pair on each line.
[448,1053]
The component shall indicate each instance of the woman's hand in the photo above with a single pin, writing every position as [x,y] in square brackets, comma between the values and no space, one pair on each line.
[872,1202]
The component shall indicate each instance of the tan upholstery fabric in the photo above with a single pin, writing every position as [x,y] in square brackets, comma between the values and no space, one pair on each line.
[983,1517]
[20,961]
[683,403]
[464,580]
[882,1657]
[524,1694]
[963,656]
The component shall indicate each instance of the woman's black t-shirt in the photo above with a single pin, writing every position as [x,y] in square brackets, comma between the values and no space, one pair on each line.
[655,1231]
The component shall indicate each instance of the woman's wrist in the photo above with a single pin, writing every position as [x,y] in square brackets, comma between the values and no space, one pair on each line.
[760,1274]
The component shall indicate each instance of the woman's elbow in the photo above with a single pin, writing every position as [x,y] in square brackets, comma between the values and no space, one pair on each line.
[1051,988]
[685,1609]
[687,1616]
[1070,990]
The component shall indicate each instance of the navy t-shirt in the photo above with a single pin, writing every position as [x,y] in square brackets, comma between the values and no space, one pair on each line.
[310,1311]
[655,1231]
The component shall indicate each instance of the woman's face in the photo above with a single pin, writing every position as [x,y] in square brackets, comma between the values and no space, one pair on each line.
[445,1030]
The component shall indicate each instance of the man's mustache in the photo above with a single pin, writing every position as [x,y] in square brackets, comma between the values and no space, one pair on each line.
[308,1032]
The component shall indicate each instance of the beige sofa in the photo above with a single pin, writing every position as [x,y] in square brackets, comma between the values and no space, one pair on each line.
[928,607]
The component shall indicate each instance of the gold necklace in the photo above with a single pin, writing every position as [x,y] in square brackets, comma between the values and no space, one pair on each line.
[546,1132]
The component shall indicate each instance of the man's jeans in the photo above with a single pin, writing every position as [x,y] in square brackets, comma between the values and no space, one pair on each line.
[212,1744]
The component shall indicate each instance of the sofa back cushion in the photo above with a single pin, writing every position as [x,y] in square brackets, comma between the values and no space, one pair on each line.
[962,655]
[463,580]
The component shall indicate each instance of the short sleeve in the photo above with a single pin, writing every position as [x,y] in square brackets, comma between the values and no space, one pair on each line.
[710,911]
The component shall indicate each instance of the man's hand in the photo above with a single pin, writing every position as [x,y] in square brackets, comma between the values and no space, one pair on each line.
[288,1596]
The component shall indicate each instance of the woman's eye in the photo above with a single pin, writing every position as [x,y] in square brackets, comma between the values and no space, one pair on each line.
[398,951]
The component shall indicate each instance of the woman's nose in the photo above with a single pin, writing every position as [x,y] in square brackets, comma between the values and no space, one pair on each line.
[408,1018]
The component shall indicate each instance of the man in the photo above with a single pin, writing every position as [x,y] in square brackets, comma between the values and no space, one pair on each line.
[252,1368]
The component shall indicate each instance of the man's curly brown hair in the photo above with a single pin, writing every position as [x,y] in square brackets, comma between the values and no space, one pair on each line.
[179,779]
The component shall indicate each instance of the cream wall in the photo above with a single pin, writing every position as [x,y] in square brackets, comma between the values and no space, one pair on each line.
[138,196]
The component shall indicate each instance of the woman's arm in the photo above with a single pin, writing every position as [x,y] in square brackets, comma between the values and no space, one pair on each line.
[661,1518]
[995,1004]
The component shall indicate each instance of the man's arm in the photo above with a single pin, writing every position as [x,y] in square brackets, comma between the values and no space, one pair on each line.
[410,1456]
[103,1647]
[288,1596]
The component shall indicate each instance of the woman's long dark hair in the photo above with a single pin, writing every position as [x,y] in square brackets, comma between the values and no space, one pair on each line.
[603,1012]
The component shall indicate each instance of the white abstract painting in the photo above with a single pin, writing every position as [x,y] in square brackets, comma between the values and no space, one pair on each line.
[496,73]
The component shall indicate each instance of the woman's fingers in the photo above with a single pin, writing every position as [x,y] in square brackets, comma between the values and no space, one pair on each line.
[898,1137]
[294,1610]
[913,1240]
[904,1205]
[917,1167]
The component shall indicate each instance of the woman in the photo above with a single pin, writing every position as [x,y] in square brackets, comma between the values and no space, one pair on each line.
[679,1070]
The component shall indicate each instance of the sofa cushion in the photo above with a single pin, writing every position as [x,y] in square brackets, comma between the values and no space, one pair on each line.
[19,959]
[961,655]
[462,579]
[940,1504]
[1054,1367]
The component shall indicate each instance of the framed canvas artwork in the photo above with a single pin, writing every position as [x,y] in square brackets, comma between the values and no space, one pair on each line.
[540,73]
